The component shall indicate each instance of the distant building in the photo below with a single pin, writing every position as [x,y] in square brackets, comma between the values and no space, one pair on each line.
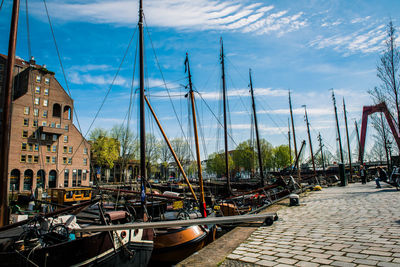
[46,149]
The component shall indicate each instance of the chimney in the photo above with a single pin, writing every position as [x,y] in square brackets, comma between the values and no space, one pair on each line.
[32,61]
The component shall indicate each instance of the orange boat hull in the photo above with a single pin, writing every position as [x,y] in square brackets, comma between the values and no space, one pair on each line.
[172,245]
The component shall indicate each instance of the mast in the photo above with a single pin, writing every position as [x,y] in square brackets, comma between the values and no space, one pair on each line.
[358,135]
[6,119]
[322,153]
[309,140]
[228,180]
[256,126]
[142,112]
[290,147]
[196,138]
[294,138]
[347,137]
[337,127]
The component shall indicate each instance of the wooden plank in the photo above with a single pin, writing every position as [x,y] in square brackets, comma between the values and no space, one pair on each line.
[178,223]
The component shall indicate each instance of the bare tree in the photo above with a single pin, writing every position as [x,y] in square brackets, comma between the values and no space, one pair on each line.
[388,71]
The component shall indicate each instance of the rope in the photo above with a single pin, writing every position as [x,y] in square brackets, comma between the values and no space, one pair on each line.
[105,97]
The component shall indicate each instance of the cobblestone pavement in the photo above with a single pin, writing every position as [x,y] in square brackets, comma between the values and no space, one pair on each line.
[357,225]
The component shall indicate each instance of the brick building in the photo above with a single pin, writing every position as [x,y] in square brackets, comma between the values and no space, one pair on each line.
[46,149]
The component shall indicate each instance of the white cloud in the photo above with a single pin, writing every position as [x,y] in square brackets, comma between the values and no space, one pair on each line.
[78,78]
[182,14]
[365,40]
[358,20]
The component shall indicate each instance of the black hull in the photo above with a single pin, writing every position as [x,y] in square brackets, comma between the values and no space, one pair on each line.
[94,250]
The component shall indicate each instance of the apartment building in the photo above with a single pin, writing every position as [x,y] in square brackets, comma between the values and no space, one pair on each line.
[46,149]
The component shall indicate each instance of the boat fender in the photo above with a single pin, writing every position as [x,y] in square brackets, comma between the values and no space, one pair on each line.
[123,234]
[72,236]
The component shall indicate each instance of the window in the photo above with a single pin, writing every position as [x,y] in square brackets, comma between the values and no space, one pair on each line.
[53,159]
[46,80]
[66,178]
[25,134]
[36,147]
[69,161]
[37,89]
[53,124]
[23,158]
[35,159]
[48,148]
[35,135]
[70,149]
[29,160]
[58,125]
[43,136]
[65,138]
[23,146]
[84,175]
[85,150]
[35,112]
[66,127]
[26,110]
[85,162]
[37,100]
[44,123]
[44,113]
[45,102]
[30,147]
[74,178]
[79,177]
[65,149]
[26,122]
[64,160]
[1,67]
[35,123]
[54,148]
[46,91]
[54,137]
[47,159]
[38,78]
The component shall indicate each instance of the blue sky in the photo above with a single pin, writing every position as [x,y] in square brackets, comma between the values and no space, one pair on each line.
[306,46]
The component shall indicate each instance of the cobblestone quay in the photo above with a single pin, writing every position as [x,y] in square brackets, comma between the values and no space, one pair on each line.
[357,225]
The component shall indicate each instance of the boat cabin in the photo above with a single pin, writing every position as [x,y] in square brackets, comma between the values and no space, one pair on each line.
[65,196]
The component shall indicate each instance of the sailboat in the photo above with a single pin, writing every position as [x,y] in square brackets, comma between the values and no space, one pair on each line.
[50,240]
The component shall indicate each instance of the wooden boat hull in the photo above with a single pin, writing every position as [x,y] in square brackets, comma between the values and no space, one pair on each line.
[94,250]
[172,245]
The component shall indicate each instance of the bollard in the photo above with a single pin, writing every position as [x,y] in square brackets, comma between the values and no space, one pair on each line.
[342,174]
[294,200]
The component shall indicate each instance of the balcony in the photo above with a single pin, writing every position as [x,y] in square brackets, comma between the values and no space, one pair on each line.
[51,130]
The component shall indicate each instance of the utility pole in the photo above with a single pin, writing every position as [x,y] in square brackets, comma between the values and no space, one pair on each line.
[290,147]
[6,119]
[322,153]
[256,126]
[228,180]
[309,140]
[337,127]
[385,140]
[348,140]
[294,139]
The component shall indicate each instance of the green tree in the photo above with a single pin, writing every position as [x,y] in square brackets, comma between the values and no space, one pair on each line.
[105,151]
[216,163]
[281,156]
[243,157]
[266,154]
[96,133]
